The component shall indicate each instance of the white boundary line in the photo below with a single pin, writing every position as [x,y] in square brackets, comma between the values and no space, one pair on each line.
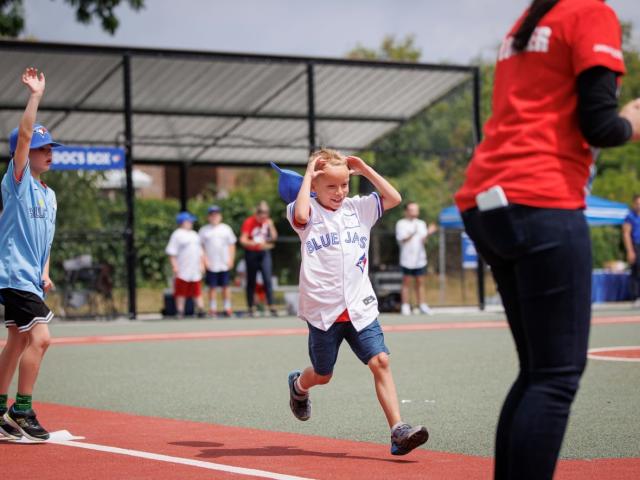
[178,460]
[612,349]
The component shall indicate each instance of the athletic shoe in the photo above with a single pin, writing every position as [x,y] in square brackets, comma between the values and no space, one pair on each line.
[228,313]
[273,312]
[300,404]
[405,309]
[405,438]
[424,308]
[27,423]
[6,430]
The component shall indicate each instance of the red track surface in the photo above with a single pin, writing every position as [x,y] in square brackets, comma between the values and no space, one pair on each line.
[284,453]
[275,332]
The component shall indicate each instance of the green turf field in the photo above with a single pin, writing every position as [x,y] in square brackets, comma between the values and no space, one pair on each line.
[453,381]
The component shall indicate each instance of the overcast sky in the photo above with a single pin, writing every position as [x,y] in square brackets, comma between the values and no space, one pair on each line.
[451,30]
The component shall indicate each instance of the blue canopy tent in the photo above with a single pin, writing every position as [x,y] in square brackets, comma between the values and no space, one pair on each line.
[599,212]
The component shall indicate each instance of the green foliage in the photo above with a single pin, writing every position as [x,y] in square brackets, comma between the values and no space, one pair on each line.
[404,50]
[12,14]
[86,10]
[11,18]
[606,244]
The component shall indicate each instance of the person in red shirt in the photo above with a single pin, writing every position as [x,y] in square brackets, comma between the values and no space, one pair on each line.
[258,235]
[555,97]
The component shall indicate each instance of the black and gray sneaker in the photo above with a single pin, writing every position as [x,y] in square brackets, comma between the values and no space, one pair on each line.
[405,438]
[27,423]
[300,404]
[6,430]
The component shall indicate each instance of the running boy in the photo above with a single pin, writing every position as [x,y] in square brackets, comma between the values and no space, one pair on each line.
[336,297]
[27,226]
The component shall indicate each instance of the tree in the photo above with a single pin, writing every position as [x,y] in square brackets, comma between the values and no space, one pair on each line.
[12,14]
[403,50]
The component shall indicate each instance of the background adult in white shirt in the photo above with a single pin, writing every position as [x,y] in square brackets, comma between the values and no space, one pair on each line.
[411,234]
[219,244]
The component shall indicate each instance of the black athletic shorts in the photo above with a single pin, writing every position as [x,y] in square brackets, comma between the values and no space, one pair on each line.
[23,309]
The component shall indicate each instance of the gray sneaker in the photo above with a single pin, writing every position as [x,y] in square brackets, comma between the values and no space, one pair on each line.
[405,438]
[300,404]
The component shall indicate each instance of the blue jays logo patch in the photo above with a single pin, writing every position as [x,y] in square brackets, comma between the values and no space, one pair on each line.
[41,131]
[362,262]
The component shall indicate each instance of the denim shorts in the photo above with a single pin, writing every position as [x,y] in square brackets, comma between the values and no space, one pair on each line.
[324,346]
[414,272]
[217,279]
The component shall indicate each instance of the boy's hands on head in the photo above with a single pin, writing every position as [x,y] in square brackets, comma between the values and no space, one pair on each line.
[315,168]
[356,165]
[34,81]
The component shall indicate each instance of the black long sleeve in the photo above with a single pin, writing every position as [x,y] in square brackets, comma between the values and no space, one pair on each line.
[598,109]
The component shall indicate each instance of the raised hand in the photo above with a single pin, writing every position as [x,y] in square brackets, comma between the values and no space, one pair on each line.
[356,165]
[34,81]
[316,167]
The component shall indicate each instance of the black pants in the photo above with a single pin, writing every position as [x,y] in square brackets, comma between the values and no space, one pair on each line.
[258,261]
[541,262]
[635,274]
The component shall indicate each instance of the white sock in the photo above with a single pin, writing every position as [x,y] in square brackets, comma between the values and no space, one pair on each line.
[213,305]
[299,387]
[227,304]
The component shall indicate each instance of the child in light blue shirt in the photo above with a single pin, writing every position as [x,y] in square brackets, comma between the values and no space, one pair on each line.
[27,226]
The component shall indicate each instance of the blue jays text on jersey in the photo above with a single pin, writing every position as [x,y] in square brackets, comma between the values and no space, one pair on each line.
[328,239]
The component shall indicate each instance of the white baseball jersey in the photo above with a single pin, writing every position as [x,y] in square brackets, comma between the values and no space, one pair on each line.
[334,273]
[216,240]
[185,246]
[412,252]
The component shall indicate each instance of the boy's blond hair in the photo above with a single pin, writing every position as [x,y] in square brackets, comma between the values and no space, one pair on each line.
[332,158]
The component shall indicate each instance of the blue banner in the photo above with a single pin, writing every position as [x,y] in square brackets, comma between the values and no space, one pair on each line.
[87,158]
[469,254]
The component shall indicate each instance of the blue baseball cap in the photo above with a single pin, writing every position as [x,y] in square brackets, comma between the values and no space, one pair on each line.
[214,209]
[40,138]
[289,183]
[184,217]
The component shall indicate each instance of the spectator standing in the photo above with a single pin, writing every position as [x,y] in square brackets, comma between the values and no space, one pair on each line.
[631,238]
[257,236]
[187,262]
[411,234]
[219,243]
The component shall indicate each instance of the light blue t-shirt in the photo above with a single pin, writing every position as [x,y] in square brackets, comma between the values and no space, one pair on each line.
[634,220]
[27,226]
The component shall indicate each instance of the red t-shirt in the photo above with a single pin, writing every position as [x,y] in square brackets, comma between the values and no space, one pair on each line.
[257,231]
[533,147]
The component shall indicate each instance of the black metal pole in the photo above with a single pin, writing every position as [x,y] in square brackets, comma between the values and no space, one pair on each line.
[477,137]
[130,193]
[183,186]
[311,107]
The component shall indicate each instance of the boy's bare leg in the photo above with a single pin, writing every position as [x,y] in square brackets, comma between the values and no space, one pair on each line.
[16,344]
[385,387]
[405,293]
[419,285]
[180,301]
[39,340]
[310,378]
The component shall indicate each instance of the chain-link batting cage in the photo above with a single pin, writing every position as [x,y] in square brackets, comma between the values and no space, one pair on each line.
[188,117]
